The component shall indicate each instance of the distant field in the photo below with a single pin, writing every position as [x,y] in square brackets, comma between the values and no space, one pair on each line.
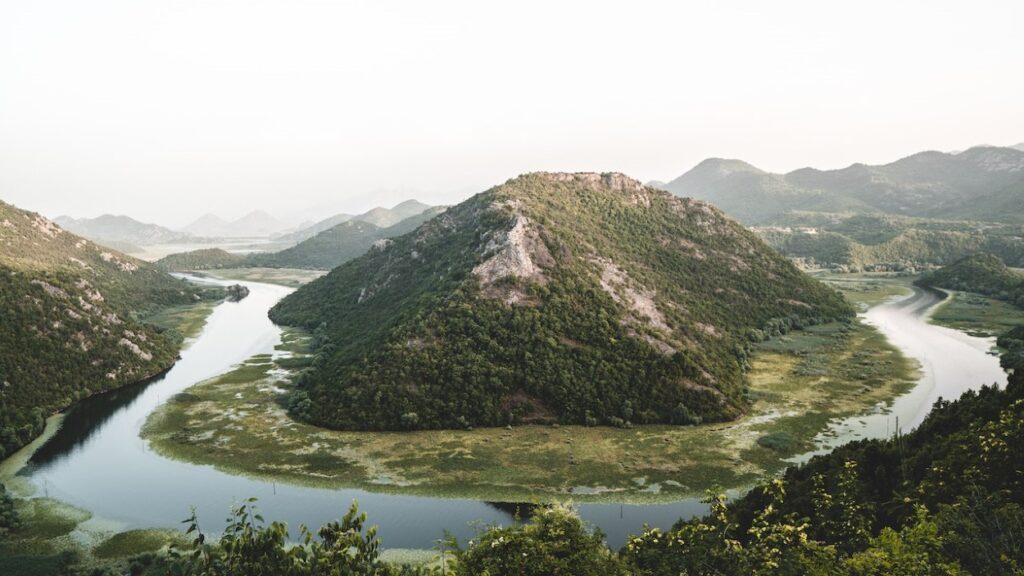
[241,246]
[293,277]
[798,383]
[868,289]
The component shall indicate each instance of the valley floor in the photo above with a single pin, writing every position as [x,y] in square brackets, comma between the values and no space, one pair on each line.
[798,382]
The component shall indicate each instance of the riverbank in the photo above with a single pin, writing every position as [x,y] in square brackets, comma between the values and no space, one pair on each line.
[798,382]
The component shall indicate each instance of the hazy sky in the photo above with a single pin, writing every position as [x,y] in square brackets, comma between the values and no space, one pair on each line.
[167,109]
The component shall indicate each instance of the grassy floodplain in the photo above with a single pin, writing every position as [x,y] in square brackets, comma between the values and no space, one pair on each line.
[798,383]
[293,277]
[977,315]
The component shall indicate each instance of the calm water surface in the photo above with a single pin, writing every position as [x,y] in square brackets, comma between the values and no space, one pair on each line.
[97,460]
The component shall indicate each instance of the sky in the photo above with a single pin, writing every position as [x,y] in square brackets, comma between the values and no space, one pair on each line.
[165,110]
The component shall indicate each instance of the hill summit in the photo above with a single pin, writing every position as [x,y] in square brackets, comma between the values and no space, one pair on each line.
[554,297]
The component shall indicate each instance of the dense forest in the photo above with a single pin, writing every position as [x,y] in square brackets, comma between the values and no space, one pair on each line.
[579,298]
[855,243]
[981,273]
[71,325]
[202,259]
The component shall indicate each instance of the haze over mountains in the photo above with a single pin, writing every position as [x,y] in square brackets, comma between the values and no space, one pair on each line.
[379,217]
[255,224]
[343,242]
[110,229]
[979,183]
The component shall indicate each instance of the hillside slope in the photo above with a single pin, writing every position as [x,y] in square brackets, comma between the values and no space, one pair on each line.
[339,244]
[69,328]
[884,242]
[202,259]
[979,273]
[379,217]
[583,298]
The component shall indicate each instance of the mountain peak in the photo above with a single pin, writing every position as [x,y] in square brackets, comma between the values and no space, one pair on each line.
[612,180]
[501,305]
[726,166]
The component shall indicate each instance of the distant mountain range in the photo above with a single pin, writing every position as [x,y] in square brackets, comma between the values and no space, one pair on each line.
[325,250]
[118,231]
[255,224]
[982,183]
[341,243]
[379,217]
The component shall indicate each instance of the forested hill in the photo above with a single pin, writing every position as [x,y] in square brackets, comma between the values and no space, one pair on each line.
[980,273]
[982,183]
[69,327]
[584,298]
[202,259]
[340,243]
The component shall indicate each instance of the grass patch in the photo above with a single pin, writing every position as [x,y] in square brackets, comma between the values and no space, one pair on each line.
[293,277]
[870,288]
[977,315]
[44,519]
[781,441]
[134,542]
[187,320]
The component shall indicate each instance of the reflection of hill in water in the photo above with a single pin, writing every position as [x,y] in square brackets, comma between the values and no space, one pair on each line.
[518,510]
[85,418]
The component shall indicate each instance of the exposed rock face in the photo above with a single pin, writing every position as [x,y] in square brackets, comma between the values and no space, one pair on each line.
[519,253]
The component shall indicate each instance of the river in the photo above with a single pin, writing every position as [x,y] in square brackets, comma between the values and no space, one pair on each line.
[98,461]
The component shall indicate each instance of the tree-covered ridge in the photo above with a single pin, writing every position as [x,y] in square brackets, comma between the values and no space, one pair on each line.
[980,273]
[202,259]
[339,244]
[857,242]
[584,298]
[70,327]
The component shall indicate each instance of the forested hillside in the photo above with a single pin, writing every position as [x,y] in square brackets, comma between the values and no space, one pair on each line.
[70,324]
[204,259]
[855,243]
[379,217]
[584,298]
[980,273]
[339,244]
